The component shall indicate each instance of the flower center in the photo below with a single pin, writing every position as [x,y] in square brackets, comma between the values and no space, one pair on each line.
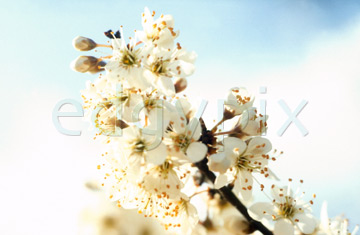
[244,163]
[139,146]
[287,209]
[181,141]
[165,165]
[150,103]
[158,67]
[128,59]
[164,169]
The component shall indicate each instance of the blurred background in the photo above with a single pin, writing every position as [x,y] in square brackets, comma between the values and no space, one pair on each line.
[298,50]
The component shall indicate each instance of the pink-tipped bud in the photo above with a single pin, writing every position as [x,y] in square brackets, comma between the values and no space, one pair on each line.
[83,44]
[180,85]
[85,64]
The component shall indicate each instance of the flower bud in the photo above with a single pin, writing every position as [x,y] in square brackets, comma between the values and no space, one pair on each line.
[98,68]
[85,64]
[83,44]
[180,85]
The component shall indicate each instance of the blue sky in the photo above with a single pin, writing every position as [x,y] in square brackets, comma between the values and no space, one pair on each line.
[292,47]
[251,35]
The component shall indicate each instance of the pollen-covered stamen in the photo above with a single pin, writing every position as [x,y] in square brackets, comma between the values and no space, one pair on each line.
[159,67]
[139,146]
[181,141]
[151,103]
[241,99]
[244,163]
[178,207]
[287,209]
[164,169]
[128,59]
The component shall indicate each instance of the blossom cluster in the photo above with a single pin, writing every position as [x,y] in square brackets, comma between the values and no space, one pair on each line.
[155,141]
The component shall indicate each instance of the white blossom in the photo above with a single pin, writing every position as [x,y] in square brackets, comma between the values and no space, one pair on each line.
[184,138]
[287,211]
[250,124]
[239,99]
[125,64]
[238,161]
[157,31]
[164,65]
[140,146]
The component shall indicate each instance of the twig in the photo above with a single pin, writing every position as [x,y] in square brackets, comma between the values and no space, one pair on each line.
[230,197]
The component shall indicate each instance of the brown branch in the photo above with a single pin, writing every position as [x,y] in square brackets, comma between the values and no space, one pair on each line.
[231,198]
[209,139]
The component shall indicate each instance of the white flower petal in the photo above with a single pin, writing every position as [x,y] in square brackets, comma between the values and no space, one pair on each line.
[168,19]
[233,143]
[157,156]
[158,121]
[167,86]
[258,145]
[189,57]
[262,210]
[166,40]
[178,124]
[221,181]
[246,182]
[182,69]
[217,157]
[232,100]
[324,216]
[196,151]
[136,79]
[131,132]
[283,227]
[306,222]
[185,106]
[218,162]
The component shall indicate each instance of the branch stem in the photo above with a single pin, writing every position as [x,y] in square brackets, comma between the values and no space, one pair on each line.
[217,124]
[231,198]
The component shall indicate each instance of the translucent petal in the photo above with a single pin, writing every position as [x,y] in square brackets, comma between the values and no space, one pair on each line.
[233,143]
[261,210]
[283,227]
[167,86]
[196,151]
[259,145]
[157,156]
[221,181]
[306,222]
